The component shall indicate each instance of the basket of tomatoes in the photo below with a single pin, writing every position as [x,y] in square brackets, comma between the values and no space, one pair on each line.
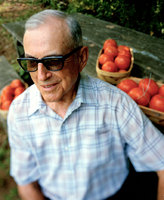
[148,94]
[9,93]
[114,62]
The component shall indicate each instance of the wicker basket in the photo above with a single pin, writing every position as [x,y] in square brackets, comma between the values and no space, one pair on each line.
[112,77]
[3,114]
[154,115]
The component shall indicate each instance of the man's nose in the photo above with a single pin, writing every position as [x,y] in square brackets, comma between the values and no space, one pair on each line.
[43,73]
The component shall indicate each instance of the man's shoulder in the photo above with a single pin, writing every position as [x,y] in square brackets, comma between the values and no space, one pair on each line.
[102,92]
[96,82]
[100,86]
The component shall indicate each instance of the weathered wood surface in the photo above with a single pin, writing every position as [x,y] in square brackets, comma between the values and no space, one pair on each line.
[148,50]
[7,73]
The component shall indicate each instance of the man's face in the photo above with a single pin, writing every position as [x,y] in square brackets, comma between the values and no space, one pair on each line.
[50,40]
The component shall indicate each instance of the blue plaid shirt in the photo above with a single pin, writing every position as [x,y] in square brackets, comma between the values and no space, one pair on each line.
[83,156]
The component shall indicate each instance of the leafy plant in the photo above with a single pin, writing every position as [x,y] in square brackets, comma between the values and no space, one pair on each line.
[144,16]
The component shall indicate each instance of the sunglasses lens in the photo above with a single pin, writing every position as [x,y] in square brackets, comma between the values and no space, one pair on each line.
[29,65]
[53,64]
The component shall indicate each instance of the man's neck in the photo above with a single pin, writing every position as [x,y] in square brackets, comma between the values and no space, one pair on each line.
[62,106]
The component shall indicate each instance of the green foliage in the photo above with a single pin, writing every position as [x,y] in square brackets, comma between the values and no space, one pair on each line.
[4,156]
[5,179]
[12,195]
[24,75]
[55,4]
[144,16]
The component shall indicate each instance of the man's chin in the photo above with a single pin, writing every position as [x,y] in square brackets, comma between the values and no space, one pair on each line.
[50,99]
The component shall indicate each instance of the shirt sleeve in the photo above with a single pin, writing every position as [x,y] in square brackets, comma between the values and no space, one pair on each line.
[23,166]
[144,143]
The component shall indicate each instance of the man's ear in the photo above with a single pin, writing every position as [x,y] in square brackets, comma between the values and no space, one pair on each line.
[83,58]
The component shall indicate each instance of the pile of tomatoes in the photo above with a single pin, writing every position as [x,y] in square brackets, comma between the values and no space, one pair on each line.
[146,92]
[114,58]
[10,92]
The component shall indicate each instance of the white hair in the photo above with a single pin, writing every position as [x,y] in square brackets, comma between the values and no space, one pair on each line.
[41,18]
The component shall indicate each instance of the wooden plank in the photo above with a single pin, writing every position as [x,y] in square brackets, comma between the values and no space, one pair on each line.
[148,50]
[7,73]
[16,29]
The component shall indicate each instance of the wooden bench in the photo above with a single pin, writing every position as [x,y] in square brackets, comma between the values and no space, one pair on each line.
[148,51]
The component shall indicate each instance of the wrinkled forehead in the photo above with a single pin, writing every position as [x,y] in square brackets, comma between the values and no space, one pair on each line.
[53,32]
[54,27]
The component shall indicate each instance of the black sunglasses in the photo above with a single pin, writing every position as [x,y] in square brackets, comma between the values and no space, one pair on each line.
[52,63]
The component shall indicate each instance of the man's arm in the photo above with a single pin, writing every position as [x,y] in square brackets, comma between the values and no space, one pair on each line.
[160,195]
[30,191]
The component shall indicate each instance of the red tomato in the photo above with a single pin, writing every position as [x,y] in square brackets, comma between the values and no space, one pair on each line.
[7,93]
[161,90]
[149,85]
[110,42]
[109,66]
[157,102]
[123,52]
[122,70]
[139,96]
[8,90]
[103,58]
[6,105]
[7,97]
[111,50]
[127,84]
[16,83]
[122,62]
[19,90]
[123,47]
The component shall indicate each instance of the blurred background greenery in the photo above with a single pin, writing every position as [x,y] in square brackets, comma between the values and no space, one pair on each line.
[144,16]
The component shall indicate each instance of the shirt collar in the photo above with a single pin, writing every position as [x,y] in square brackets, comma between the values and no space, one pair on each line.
[85,94]
[36,101]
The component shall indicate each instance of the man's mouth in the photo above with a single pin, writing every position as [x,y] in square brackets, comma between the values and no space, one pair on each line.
[49,86]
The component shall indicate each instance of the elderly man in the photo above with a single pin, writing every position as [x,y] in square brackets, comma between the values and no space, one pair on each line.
[71,135]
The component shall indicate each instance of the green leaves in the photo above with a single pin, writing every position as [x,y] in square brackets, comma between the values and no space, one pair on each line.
[144,16]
